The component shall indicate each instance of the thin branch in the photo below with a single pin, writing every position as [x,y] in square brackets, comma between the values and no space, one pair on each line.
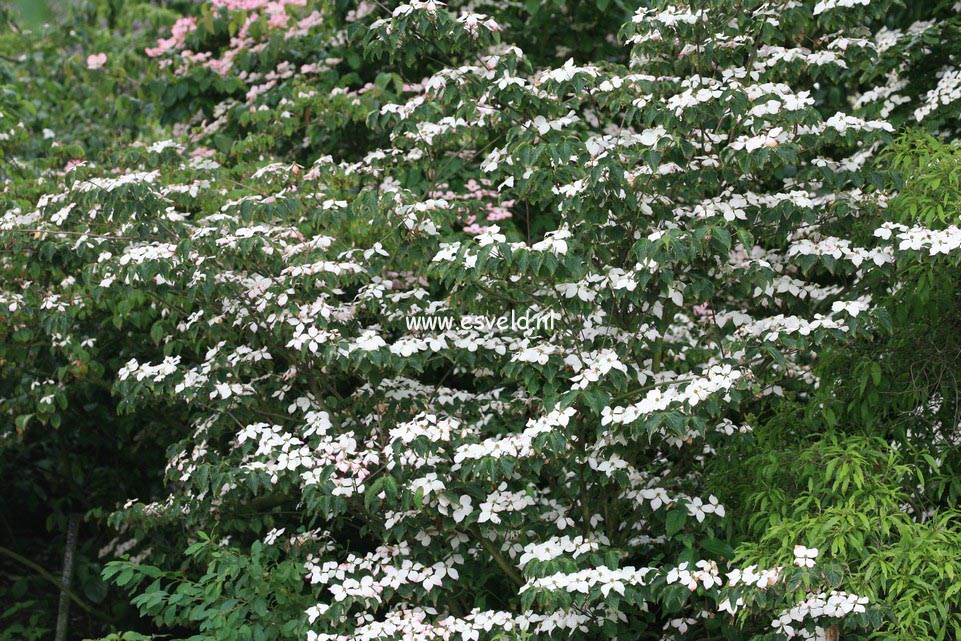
[503,563]
[22,560]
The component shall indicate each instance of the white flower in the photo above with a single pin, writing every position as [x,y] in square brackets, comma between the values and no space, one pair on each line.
[463,509]
[782,625]
[369,341]
[273,535]
[804,557]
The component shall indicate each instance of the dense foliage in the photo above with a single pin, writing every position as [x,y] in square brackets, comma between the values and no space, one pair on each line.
[263,265]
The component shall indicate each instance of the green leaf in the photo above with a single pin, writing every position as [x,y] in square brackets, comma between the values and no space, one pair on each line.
[157,332]
[675,521]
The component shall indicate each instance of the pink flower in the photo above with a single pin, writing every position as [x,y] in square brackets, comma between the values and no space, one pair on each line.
[178,36]
[702,310]
[96,60]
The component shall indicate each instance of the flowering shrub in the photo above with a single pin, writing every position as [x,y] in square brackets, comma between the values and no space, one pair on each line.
[685,194]
[64,452]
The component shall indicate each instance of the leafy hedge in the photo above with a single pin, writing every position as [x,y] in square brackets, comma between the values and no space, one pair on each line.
[255,260]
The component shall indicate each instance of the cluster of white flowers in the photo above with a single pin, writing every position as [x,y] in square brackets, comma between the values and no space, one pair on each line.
[594,366]
[842,123]
[417,216]
[554,242]
[936,241]
[543,125]
[558,546]
[828,5]
[839,248]
[428,426]
[752,576]
[565,72]
[706,574]
[668,18]
[322,267]
[520,445]
[772,138]
[503,500]
[276,452]
[586,289]
[473,21]
[423,624]
[387,568]
[834,604]
[143,371]
[717,379]
[539,353]
[138,254]
[947,91]
[110,184]
[773,327]
[583,581]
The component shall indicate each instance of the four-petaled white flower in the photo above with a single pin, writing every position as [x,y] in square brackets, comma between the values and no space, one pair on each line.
[804,557]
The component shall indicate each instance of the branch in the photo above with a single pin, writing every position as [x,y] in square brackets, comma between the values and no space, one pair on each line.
[504,564]
[22,560]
